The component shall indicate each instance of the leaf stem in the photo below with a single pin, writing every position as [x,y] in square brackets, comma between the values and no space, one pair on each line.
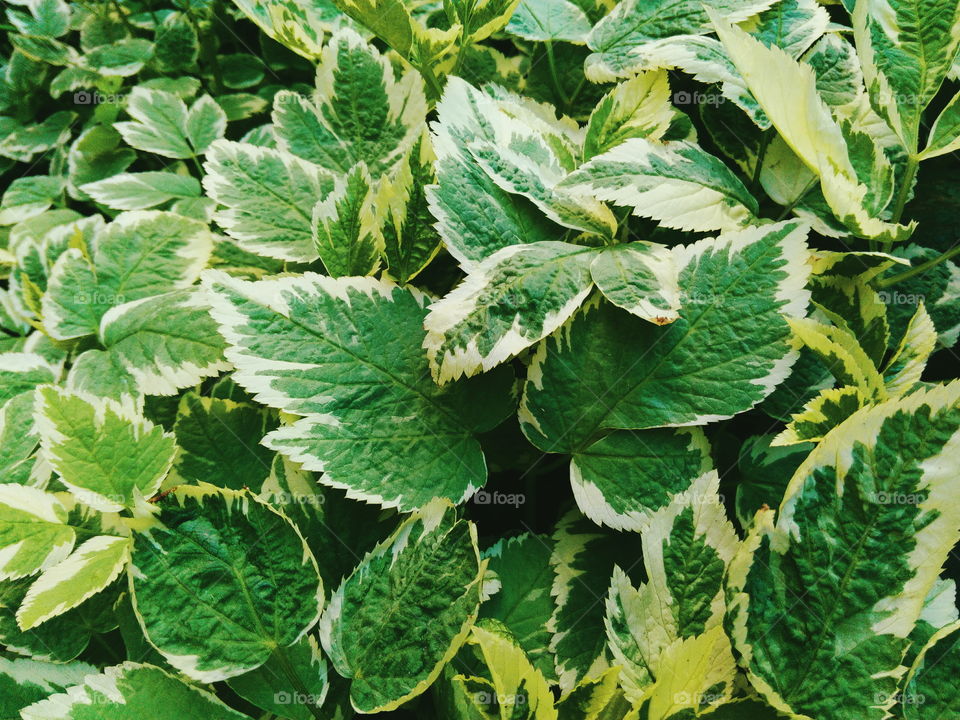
[765,141]
[295,680]
[796,201]
[913,162]
[920,269]
[555,76]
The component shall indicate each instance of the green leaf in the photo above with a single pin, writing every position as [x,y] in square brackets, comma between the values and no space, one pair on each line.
[945,134]
[21,143]
[519,688]
[241,70]
[48,18]
[729,349]
[641,278]
[89,569]
[931,690]
[346,226]
[270,687]
[176,45]
[843,356]
[269,195]
[635,22]
[108,459]
[296,25]
[22,371]
[520,162]
[139,191]
[523,602]
[24,681]
[244,604]
[162,124]
[409,238]
[206,123]
[474,216]
[820,415]
[219,442]
[793,25]
[549,20]
[362,112]
[95,155]
[764,471]
[18,441]
[906,50]
[851,303]
[679,609]
[482,18]
[34,533]
[786,90]
[102,374]
[406,610]
[122,58]
[514,298]
[639,107]
[584,556]
[880,487]
[29,196]
[677,183]
[166,342]
[345,355]
[128,692]
[902,372]
[139,255]
[60,639]
[624,477]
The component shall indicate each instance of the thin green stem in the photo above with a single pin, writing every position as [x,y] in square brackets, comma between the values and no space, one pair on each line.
[920,269]
[913,162]
[789,208]
[555,76]
[765,141]
[296,682]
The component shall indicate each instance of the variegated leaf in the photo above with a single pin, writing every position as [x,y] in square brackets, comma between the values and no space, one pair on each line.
[245,605]
[677,183]
[347,226]
[139,255]
[108,458]
[130,691]
[361,113]
[787,92]
[514,298]
[866,524]
[268,196]
[730,348]
[406,610]
[635,22]
[345,355]
[625,477]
